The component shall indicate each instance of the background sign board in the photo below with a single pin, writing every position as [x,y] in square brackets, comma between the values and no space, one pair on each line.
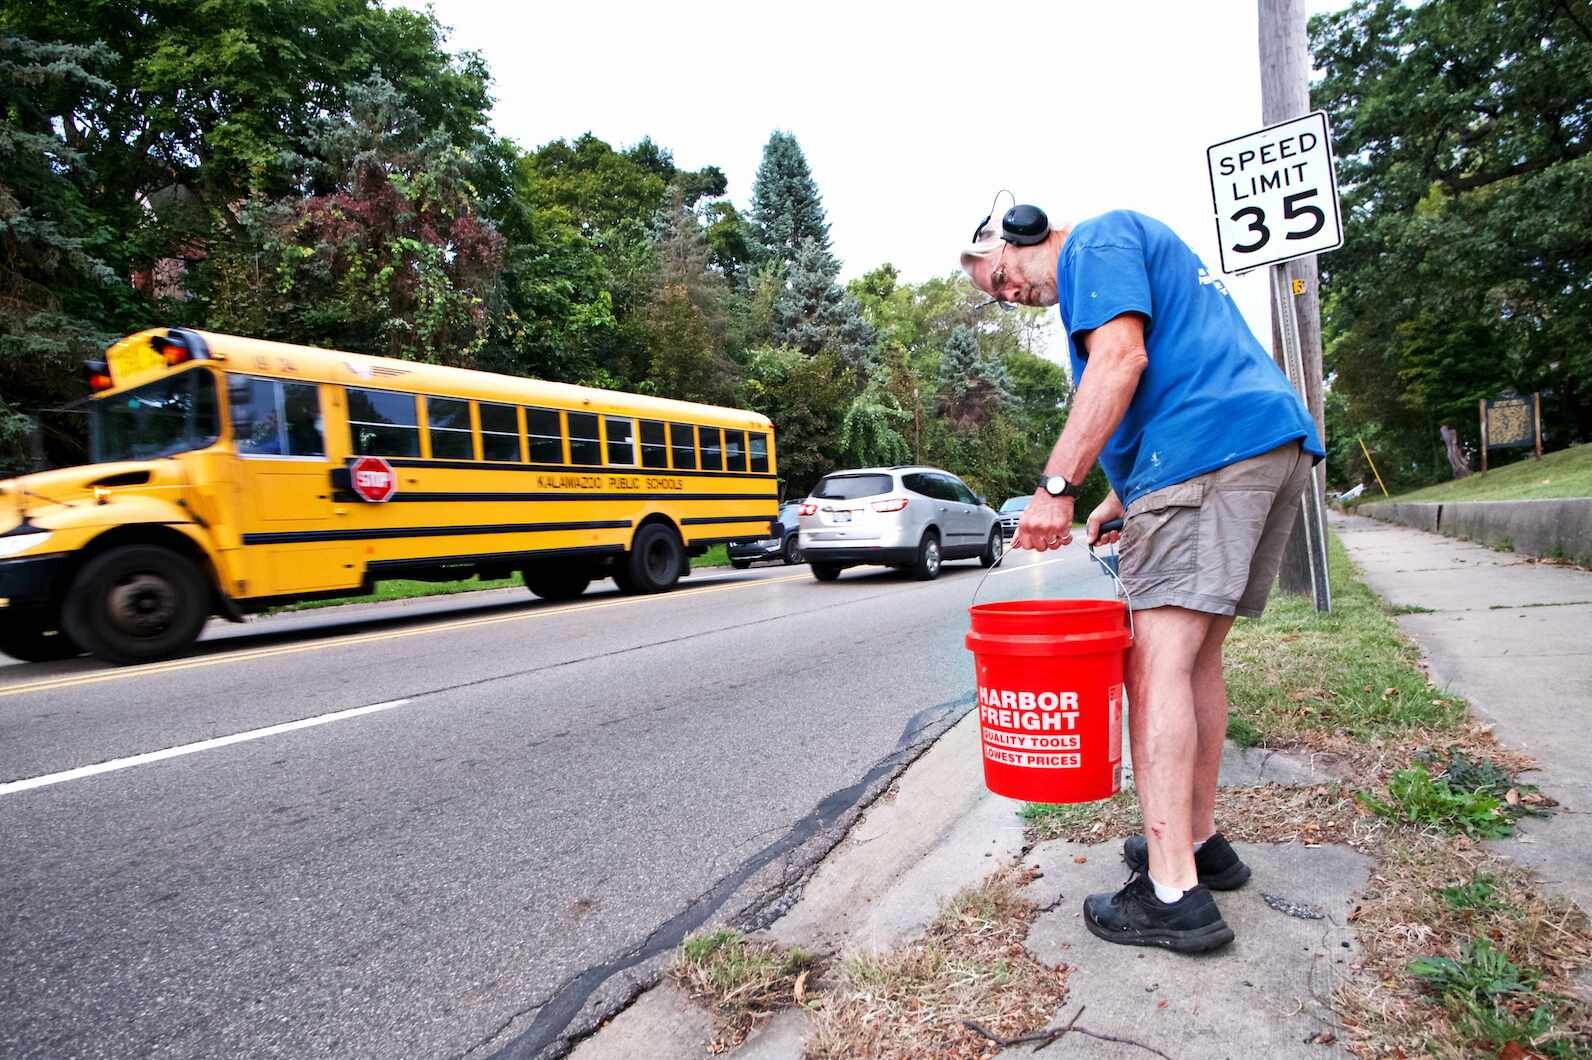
[1275,194]
[1510,423]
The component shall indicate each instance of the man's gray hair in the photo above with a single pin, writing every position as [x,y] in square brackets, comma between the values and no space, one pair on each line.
[975,252]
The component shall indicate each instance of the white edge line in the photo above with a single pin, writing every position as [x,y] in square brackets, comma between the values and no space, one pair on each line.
[147,757]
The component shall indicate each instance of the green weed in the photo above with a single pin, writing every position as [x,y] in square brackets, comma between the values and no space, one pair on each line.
[1242,731]
[1494,1001]
[1480,895]
[1420,799]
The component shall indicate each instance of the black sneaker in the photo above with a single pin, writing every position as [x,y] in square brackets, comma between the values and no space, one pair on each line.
[1134,916]
[1217,863]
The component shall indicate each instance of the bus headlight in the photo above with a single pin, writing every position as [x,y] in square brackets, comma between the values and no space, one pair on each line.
[12,544]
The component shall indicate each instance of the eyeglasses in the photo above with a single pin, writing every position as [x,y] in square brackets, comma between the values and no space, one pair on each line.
[997,280]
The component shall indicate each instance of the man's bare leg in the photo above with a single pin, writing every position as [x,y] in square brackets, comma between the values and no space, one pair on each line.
[1164,734]
[1210,714]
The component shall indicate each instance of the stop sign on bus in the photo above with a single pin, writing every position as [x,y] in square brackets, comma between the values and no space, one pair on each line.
[372,479]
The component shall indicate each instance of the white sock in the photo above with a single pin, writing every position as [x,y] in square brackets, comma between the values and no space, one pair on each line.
[1201,843]
[1164,893]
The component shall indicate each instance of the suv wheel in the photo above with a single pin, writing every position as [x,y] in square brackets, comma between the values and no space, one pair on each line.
[740,564]
[927,566]
[992,551]
[825,572]
[136,603]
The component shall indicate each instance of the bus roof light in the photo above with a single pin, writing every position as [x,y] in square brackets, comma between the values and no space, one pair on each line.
[99,376]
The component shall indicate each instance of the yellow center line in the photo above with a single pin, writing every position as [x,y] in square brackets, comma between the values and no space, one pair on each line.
[152,669]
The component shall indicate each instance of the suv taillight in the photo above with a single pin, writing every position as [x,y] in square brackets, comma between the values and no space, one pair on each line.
[808,508]
[894,504]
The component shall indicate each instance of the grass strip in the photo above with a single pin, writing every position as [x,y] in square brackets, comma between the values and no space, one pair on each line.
[742,981]
[404,589]
[1567,473]
[1297,678]
[969,965]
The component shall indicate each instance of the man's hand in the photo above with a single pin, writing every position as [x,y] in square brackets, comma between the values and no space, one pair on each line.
[1107,510]
[1046,523]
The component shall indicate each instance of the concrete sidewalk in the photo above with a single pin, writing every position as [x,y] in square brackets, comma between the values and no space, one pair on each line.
[941,831]
[1513,636]
[1509,635]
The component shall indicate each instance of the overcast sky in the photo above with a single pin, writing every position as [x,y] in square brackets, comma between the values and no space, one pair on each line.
[912,115]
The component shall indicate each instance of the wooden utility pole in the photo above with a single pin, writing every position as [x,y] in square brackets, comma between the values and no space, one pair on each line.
[1285,94]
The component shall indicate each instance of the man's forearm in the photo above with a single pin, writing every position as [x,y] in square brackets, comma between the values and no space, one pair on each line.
[1098,407]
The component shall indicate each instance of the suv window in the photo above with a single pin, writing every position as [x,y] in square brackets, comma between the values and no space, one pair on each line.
[851,487]
[934,486]
[963,494]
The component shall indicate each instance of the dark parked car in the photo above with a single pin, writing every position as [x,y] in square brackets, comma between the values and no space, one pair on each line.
[1011,512]
[785,547]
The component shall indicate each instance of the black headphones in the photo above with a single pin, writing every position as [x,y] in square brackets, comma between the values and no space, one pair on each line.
[1023,225]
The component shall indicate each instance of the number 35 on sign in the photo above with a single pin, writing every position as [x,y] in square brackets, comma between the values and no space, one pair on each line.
[1275,193]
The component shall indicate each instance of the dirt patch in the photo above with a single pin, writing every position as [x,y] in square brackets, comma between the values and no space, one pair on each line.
[970,964]
[1268,813]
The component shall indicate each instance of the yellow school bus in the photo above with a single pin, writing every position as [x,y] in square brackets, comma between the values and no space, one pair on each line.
[231,475]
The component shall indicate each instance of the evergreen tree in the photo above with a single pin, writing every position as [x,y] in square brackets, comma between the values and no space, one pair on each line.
[814,313]
[974,386]
[60,299]
[685,318]
[787,212]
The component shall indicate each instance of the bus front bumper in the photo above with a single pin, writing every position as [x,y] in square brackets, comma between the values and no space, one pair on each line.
[32,579]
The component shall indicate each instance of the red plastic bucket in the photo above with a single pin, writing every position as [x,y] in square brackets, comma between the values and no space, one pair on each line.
[1049,676]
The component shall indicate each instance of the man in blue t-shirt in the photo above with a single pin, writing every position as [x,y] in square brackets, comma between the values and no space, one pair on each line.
[1207,448]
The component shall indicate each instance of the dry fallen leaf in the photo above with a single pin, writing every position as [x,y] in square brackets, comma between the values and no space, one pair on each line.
[1161,1003]
[1079,860]
[801,988]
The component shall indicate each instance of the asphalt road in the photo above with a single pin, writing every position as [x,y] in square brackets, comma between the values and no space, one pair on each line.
[523,809]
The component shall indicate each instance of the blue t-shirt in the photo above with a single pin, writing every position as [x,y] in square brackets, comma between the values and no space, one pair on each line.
[1210,396]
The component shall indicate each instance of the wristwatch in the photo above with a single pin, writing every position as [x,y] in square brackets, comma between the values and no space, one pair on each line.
[1058,486]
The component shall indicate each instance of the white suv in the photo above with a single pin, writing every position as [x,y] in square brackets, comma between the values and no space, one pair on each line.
[908,517]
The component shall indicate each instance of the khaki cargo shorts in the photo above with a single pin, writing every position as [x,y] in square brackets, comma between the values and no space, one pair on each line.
[1214,543]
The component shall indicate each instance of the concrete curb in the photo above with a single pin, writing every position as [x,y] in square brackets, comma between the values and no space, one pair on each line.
[1559,529]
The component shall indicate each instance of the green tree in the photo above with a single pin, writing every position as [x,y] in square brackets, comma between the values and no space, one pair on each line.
[686,320]
[1462,129]
[806,396]
[787,211]
[871,429]
[394,261]
[814,312]
[60,300]
[973,385]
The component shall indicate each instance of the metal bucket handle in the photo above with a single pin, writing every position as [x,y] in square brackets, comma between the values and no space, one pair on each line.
[1108,564]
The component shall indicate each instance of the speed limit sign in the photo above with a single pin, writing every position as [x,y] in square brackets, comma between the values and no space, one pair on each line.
[1275,193]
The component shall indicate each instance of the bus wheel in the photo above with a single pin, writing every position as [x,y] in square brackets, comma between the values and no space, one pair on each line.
[556,584]
[35,638]
[136,603]
[653,563]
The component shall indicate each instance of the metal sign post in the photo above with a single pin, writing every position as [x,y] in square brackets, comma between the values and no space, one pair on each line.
[1274,194]
[1314,520]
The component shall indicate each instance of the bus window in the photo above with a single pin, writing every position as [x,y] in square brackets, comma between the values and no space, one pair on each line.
[682,439]
[654,450]
[547,437]
[759,452]
[621,440]
[448,423]
[383,423]
[275,418]
[171,415]
[500,432]
[712,449]
[735,450]
[584,446]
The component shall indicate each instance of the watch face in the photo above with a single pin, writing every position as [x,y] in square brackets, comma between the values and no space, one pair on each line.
[1055,484]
